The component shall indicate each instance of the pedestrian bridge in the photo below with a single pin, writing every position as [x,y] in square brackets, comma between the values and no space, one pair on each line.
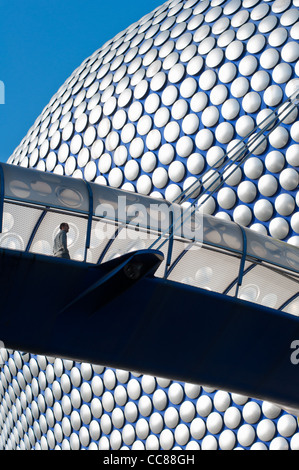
[105,223]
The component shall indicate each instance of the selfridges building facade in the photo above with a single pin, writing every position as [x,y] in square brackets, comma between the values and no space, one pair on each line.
[151,111]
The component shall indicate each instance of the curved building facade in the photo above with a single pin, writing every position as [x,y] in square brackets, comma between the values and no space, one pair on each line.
[153,110]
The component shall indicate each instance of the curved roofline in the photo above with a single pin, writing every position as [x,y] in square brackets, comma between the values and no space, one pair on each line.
[69,195]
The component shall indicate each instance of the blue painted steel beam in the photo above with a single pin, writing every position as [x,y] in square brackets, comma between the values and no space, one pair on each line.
[37,225]
[109,244]
[243,260]
[170,245]
[234,282]
[244,347]
[177,260]
[89,223]
[291,299]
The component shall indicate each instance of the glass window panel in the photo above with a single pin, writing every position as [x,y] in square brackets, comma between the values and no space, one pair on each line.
[18,225]
[233,289]
[223,234]
[129,240]
[293,307]
[44,238]
[274,251]
[177,249]
[204,268]
[267,287]
[101,234]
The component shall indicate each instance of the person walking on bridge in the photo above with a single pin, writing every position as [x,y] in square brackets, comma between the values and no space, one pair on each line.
[60,249]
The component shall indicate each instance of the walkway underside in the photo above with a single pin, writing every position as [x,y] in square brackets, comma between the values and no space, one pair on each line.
[120,315]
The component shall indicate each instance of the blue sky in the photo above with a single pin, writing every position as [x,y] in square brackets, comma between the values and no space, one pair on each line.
[42,43]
